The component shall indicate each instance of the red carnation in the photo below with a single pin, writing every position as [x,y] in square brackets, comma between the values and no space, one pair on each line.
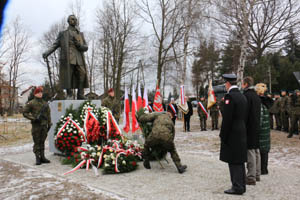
[70,134]
[69,157]
[133,163]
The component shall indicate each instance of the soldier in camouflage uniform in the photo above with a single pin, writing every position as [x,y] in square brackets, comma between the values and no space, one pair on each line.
[275,109]
[202,115]
[111,102]
[38,112]
[295,113]
[161,136]
[284,108]
[214,114]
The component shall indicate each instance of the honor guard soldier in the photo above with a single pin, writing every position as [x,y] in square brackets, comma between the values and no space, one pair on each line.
[233,135]
[284,108]
[295,113]
[172,109]
[38,112]
[111,102]
[202,112]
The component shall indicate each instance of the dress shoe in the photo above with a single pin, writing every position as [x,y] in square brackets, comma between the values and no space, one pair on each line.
[232,191]
[181,168]
[290,135]
[250,182]
[257,179]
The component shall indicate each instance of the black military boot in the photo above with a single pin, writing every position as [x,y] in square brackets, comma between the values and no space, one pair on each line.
[43,158]
[147,164]
[38,159]
[181,168]
[290,135]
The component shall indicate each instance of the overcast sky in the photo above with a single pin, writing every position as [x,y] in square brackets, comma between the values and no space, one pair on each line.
[37,16]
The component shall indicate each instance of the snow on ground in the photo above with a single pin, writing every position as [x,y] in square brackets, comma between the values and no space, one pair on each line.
[206,176]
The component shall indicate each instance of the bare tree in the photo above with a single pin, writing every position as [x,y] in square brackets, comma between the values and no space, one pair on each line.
[167,26]
[117,29]
[18,44]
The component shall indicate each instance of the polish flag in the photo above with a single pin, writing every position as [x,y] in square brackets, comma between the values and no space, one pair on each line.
[145,98]
[157,105]
[135,125]
[140,101]
[126,122]
[211,96]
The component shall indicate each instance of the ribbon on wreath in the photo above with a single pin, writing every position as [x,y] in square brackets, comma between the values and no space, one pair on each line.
[110,120]
[80,131]
[95,127]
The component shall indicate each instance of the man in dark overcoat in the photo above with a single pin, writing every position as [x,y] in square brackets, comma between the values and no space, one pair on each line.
[253,130]
[233,135]
[187,116]
[72,69]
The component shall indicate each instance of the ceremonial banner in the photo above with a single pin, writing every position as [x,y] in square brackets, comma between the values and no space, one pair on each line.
[211,96]
[145,97]
[183,104]
[203,109]
[126,121]
[140,101]
[157,105]
[135,125]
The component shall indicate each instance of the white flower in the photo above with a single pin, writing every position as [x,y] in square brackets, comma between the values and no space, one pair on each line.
[105,156]
[98,154]
[110,150]
[124,162]
[94,154]
[106,165]
[75,131]
[113,162]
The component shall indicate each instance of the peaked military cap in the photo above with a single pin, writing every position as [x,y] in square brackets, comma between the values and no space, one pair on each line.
[229,77]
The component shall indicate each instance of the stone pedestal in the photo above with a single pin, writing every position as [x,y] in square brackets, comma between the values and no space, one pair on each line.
[58,109]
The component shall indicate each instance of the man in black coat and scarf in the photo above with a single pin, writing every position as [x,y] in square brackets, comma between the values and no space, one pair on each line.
[253,130]
[233,135]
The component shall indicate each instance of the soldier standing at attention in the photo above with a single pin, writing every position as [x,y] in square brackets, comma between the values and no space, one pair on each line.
[214,114]
[187,116]
[172,109]
[284,108]
[161,136]
[295,113]
[38,112]
[276,110]
[202,112]
[111,102]
[233,135]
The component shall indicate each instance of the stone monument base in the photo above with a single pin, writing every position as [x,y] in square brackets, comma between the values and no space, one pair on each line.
[58,109]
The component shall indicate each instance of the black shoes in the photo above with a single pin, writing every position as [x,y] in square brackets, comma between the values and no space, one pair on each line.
[43,158]
[147,164]
[181,169]
[290,135]
[38,160]
[234,192]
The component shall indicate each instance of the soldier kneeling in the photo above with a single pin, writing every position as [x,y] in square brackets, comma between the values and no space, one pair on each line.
[162,136]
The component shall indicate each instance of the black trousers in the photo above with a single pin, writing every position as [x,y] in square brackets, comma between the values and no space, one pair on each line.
[187,122]
[264,156]
[238,177]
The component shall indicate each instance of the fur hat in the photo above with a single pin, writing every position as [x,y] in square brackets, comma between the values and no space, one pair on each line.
[38,90]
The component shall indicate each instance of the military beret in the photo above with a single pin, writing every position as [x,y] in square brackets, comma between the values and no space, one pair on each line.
[110,90]
[229,77]
[38,90]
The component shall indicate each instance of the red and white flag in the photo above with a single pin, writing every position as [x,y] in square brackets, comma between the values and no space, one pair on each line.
[126,121]
[140,100]
[203,109]
[182,95]
[145,98]
[211,100]
[135,125]
[157,105]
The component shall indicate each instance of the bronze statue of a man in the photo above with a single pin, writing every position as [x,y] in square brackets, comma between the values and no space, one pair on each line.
[72,69]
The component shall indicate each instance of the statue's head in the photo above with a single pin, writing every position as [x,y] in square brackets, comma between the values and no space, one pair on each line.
[72,20]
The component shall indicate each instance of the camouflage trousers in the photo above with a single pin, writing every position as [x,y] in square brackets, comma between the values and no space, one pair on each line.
[285,121]
[214,120]
[169,146]
[39,135]
[294,123]
[202,122]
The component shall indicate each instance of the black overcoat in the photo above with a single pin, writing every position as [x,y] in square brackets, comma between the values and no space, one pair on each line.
[253,118]
[233,130]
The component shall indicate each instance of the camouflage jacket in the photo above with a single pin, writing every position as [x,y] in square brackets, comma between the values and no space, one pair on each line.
[38,108]
[199,110]
[294,105]
[162,128]
[111,103]
[284,104]
[275,109]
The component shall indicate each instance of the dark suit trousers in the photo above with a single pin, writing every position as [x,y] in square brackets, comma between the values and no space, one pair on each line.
[187,122]
[238,177]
